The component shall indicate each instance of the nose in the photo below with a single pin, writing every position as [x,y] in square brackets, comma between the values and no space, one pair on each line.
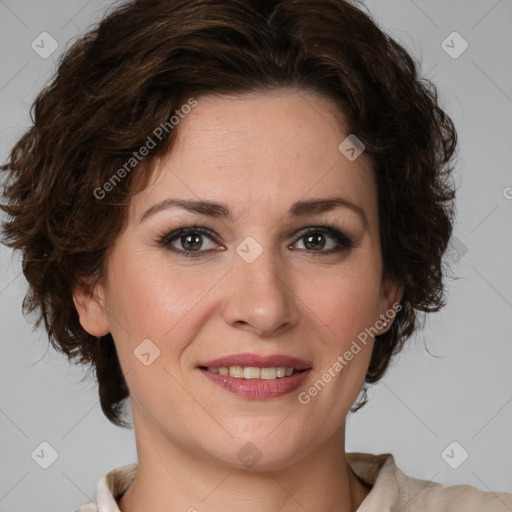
[260,296]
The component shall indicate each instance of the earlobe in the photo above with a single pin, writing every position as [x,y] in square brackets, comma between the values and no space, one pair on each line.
[90,305]
[391,295]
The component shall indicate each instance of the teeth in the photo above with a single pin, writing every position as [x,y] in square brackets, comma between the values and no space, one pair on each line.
[251,372]
[236,371]
[269,373]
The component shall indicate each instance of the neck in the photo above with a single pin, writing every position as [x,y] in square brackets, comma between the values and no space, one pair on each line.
[170,478]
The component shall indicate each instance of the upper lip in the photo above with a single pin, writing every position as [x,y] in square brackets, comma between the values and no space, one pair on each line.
[257,361]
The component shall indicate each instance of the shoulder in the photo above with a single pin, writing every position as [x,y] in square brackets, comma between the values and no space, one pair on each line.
[393,490]
[455,498]
[465,497]
[90,507]
[111,487]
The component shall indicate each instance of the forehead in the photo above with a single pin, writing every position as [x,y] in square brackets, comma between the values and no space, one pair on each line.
[263,150]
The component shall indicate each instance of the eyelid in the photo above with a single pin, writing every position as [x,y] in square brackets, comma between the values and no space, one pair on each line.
[330,229]
[344,242]
[167,236]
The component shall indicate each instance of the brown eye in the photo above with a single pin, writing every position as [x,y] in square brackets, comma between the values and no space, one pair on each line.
[188,241]
[318,240]
[193,242]
[315,242]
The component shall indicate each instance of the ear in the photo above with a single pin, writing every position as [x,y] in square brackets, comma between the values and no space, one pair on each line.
[391,293]
[90,304]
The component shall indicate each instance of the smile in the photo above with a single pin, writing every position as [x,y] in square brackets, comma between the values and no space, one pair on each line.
[256,377]
[253,372]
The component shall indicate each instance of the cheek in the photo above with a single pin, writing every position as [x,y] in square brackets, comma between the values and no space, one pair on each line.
[344,300]
[147,297]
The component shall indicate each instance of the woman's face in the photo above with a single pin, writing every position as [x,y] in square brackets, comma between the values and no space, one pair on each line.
[294,271]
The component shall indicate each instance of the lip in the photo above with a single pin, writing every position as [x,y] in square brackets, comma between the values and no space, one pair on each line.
[257,361]
[257,389]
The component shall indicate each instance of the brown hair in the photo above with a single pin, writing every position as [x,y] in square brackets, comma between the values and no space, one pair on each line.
[126,77]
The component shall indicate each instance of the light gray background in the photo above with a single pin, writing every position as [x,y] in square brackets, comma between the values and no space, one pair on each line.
[463,394]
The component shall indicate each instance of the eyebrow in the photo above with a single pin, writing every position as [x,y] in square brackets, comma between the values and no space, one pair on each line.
[218,210]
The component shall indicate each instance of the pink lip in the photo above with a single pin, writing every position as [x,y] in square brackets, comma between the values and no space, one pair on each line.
[257,361]
[257,389]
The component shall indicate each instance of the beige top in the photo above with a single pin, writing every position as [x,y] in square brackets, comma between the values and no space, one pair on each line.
[392,490]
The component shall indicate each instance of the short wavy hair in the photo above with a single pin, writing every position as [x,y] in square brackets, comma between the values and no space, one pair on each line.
[129,73]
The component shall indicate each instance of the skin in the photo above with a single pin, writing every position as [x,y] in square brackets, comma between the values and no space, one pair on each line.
[257,154]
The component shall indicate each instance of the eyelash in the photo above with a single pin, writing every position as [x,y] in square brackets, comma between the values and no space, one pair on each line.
[344,242]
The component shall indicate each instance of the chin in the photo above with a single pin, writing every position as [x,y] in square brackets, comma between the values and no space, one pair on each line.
[250,457]
[260,451]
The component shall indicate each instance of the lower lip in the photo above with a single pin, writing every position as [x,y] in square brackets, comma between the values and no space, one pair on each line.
[258,389]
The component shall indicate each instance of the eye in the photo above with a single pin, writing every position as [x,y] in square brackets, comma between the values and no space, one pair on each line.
[188,241]
[317,240]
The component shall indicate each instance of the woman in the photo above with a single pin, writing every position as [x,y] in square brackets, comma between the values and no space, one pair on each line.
[234,211]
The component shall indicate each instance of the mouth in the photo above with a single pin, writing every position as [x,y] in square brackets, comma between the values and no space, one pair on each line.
[253,372]
[256,377]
